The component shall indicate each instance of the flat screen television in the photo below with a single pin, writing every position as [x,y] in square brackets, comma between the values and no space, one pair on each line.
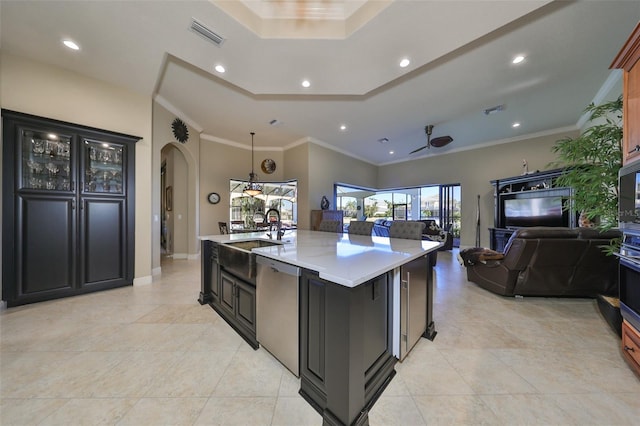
[535,211]
[629,193]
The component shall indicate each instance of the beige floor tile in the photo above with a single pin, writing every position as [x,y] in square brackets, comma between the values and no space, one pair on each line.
[30,411]
[599,409]
[239,411]
[295,411]
[90,412]
[133,376]
[164,411]
[396,411]
[250,373]
[289,385]
[485,373]
[527,410]
[455,410]
[148,355]
[195,374]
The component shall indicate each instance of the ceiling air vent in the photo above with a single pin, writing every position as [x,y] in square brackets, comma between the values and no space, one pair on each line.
[205,32]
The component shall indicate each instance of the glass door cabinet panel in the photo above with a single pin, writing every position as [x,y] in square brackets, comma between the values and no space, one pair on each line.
[104,170]
[46,160]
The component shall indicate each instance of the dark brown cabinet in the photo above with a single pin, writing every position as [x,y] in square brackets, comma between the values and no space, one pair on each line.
[68,209]
[346,356]
[532,199]
[236,303]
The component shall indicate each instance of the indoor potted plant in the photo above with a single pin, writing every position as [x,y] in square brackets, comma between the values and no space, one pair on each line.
[592,161]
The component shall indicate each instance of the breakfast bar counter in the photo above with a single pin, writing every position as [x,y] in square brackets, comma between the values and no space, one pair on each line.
[350,315]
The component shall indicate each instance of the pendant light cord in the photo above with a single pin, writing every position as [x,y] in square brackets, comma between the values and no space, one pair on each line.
[252,133]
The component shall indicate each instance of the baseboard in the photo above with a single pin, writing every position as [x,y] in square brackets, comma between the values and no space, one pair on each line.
[193,256]
[3,306]
[156,271]
[146,280]
[179,256]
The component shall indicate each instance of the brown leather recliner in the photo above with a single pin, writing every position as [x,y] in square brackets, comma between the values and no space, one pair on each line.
[545,261]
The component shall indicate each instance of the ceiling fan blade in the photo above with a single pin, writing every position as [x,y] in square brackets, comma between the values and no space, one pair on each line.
[419,149]
[441,141]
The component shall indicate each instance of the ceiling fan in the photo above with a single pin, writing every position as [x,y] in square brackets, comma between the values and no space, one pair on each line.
[438,142]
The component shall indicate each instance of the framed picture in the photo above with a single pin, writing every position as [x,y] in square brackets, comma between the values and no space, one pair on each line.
[168,198]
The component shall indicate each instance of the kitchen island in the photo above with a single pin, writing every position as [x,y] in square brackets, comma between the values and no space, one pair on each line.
[350,317]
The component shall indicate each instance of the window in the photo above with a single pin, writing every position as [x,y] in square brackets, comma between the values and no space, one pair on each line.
[435,202]
[281,196]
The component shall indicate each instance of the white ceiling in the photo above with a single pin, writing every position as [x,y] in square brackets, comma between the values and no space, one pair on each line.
[460,55]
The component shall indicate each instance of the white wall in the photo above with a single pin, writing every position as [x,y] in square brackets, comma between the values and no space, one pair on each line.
[52,92]
[474,170]
[189,203]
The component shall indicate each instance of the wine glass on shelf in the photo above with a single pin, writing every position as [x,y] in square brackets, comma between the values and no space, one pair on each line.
[38,146]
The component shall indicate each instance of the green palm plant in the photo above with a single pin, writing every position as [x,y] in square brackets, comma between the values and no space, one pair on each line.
[592,161]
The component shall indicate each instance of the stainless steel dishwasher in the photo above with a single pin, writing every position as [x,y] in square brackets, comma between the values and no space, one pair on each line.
[277,311]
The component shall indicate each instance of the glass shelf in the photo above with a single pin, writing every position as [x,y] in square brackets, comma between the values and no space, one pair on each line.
[104,171]
[46,161]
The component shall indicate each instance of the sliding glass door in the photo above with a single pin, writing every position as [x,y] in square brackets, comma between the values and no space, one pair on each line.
[440,203]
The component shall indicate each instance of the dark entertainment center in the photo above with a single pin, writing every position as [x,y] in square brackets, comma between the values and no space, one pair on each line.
[527,200]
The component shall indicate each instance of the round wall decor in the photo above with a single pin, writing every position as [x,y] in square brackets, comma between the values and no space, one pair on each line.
[268,166]
[213,198]
[180,130]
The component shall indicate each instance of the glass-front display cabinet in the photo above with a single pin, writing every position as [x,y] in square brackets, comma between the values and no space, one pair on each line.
[68,208]
[46,160]
[104,172]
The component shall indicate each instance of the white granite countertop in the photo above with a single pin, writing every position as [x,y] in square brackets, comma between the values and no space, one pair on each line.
[344,259]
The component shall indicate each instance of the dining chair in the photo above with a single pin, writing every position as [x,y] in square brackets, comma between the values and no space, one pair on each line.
[224,229]
[330,226]
[409,230]
[360,227]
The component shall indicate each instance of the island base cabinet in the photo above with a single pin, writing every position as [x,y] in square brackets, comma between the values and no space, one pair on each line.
[236,304]
[209,273]
[346,356]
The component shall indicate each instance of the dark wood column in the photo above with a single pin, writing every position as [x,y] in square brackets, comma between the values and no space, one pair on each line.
[346,348]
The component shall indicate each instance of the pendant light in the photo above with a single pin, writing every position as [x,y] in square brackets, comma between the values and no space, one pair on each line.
[253,188]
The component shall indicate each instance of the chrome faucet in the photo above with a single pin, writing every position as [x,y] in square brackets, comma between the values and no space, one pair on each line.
[278,223]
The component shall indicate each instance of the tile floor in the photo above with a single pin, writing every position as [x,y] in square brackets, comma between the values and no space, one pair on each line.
[151,355]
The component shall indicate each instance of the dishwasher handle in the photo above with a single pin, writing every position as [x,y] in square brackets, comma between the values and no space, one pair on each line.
[276,266]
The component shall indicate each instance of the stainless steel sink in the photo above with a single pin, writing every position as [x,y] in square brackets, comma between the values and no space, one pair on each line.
[236,257]
[251,244]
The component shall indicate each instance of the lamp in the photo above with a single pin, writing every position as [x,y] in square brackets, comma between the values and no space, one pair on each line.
[253,188]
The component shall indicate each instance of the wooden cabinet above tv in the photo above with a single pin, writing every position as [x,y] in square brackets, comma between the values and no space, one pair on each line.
[627,59]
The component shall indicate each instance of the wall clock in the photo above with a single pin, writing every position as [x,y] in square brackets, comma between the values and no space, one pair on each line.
[180,130]
[213,198]
[268,166]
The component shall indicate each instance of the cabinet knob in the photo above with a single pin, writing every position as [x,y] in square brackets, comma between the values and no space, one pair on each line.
[629,348]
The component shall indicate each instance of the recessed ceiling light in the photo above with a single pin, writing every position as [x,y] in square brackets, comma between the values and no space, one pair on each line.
[517,59]
[220,68]
[391,152]
[343,127]
[514,125]
[306,83]
[404,63]
[70,44]
[52,136]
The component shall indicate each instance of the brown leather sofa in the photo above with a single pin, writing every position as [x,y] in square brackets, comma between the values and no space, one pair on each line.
[542,261]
